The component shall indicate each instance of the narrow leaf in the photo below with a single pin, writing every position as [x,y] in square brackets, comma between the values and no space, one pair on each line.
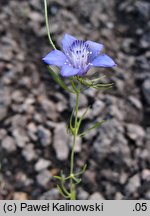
[58,177]
[93,127]
[73,85]
[84,168]
[77,180]
[71,121]
[82,117]
[64,189]
[61,192]
[82,171]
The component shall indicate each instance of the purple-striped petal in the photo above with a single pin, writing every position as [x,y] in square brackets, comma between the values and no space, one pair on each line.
[103,61]
[67,71]
[95,49]
[67,41]
[55,57]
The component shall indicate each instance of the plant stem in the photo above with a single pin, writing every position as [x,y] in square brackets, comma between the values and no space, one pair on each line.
[47,26]
[76,128]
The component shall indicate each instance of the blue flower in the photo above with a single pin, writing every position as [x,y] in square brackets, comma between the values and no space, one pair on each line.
[78,57]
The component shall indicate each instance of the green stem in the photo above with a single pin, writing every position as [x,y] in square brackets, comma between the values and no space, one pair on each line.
[47,26]
[76,128]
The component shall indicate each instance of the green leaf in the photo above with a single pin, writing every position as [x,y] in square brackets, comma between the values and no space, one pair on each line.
[57,79]
[103,86]
[61,192]
[81,118]
[64,189]
[98,79]
[77,180]
[82,171]
[71,122]
[94,83]
[84,168]
[58,177]
[73,84]
[93,127]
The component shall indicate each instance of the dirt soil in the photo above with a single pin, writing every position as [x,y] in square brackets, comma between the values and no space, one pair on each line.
[34,110]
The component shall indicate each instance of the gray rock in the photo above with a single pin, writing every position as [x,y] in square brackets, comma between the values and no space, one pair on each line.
[115,112]
[90,177]
[110,175]
[97,109]
[28,106]
[37,117]
[20,136]
[90,92]
[42,164]
[62,102]
[61,141]
[48,107]
[123,178]
[78,144]
[91,134]
[146,90]
[4,103]
[82,194]
[145,175]
[61,107]
[2,133]
[118,196]
[143,8]
[52,194]
[147,144]
[148,136]
[96,196]
[133,184]
[17,96]
[29,153]
[3,112]
[43,178]
[26,82]
[111,141]
[83,102]
[32,129]
[9,144]
[44,136]
[136,133]
[23,178]
[81,111]
[35,16]
[135,102]
[147,195]
[18,121]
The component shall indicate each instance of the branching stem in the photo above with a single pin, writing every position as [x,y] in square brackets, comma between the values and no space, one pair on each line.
[76,128]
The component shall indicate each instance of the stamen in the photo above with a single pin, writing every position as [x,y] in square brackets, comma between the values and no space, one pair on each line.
[79,54]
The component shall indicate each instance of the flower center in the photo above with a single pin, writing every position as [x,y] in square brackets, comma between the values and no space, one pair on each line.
[78,54]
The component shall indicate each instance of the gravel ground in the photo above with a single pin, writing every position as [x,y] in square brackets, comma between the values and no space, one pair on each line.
[34,110]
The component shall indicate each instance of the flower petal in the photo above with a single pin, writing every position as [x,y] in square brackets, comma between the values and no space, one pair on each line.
[67,41]
[103,61]
[55,57]
[67,71]
[95,49]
